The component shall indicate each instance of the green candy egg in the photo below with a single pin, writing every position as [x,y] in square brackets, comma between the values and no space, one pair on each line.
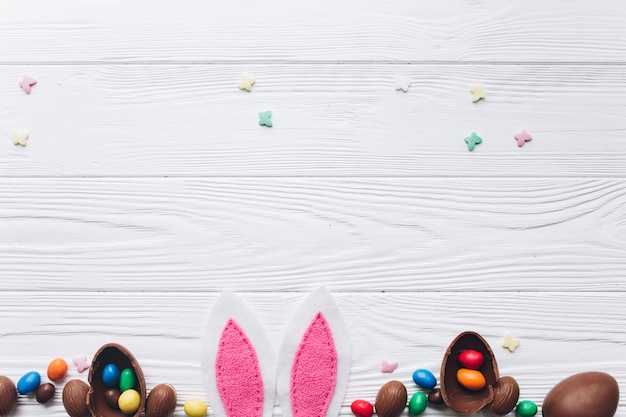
[526,409]
[128,379]
[418,403]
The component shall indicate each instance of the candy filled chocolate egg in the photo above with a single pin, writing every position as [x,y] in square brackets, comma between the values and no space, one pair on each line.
[116,357]
[468,390]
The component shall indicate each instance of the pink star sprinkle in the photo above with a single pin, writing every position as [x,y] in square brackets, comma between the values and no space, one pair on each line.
[388,367]
[81,363]
[522,137]
[27,82]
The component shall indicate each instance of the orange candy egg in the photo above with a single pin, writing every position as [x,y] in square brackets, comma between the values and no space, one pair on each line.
[57,370]
[471,379]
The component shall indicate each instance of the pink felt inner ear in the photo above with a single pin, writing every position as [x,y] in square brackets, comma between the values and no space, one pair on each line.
[314,371]
[237,373]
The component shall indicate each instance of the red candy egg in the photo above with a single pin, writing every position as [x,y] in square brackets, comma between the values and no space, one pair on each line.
[362,408]
[471,359]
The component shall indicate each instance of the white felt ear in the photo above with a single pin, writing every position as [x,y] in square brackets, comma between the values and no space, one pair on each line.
[238,364]
[314,359]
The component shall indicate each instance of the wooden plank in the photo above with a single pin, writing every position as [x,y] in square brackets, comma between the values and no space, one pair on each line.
[36,31]
[295,234]
[329,120]
[560,334]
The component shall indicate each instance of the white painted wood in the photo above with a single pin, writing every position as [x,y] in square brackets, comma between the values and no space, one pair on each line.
[560,334]
[295,234]
[322,30]
[148,187]
[329,120]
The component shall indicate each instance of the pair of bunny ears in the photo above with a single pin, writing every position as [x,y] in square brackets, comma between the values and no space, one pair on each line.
[242,375]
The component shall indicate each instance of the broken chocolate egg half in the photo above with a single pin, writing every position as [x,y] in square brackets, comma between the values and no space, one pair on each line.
[118,355]
[457,397]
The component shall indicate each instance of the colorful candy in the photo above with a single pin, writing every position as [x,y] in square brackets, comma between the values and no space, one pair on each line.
[362,408]
[424,378]
[526,408]
[57,369]
[127,379]
[111,375]
[112,396]
[471,379]
[129,401]
[418,403]
[195,408]
[471,359]
[29,382]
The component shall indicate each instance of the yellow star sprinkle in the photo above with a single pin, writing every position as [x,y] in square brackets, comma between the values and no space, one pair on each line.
[246,82]
[20,137]
[478,92]
[510,343]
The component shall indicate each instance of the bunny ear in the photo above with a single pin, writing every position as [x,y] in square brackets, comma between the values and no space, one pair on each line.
[238,367]
[314,359]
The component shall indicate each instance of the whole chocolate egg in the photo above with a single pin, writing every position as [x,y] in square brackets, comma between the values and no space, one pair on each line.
[454,394]
[588,394]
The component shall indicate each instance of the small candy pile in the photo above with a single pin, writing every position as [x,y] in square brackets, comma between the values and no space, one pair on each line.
[121,393]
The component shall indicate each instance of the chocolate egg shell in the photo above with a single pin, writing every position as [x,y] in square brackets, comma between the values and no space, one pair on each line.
[121,357]
[8,396]
[454,394]
[391,399]
[75,398]
[161,401]
[505,396]
[586,394]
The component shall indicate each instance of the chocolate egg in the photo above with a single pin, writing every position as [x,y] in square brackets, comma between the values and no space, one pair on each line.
[161,401]
[8,396]
[45,393]
[588,394]
[121,357]
[457,397]
[391,399]
[75,398]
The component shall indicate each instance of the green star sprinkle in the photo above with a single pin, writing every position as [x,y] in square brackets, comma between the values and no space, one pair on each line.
[473,140]
[265,118]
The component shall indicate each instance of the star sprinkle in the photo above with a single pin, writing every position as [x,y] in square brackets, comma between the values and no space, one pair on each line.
[20,137]
[478,92]
[246,82]
[81,363]
[510,343]
[402,83]
[473,140]
[388,367]
[522,137]
[26,83]
[265,118]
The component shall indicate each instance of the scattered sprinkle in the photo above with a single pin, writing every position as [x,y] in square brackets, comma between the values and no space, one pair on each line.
[510,343]
[522,137]
[387,367]
[478,92]
[265,118]
[26,83]
[473,140]
[81,363]
[402,83]
[20,137]
[246,82]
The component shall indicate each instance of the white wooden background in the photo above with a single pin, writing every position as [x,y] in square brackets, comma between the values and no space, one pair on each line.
[147,186]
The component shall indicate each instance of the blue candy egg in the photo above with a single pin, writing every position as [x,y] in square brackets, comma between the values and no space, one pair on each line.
[111,375]
[29,382]
[424,378]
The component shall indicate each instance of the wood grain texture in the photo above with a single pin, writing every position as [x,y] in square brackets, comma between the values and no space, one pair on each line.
[295,234]
[38,31]
[329,120]
[560,334]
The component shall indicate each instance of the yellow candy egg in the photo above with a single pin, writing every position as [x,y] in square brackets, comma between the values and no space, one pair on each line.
[195,408]
[129,401]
